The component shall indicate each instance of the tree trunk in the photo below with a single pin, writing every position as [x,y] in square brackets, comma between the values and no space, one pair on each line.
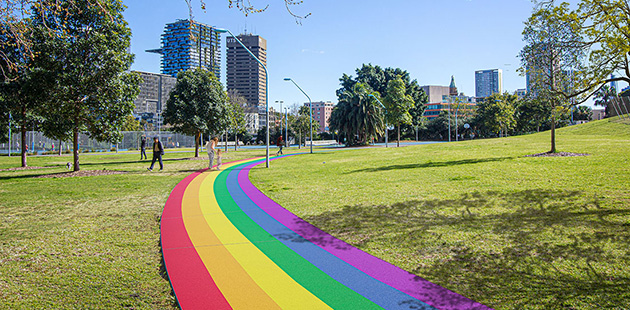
[197,144]
[75,147]
[59,147]
[553,135]
[300,141]
[398,141]
[226,140]
[24,143]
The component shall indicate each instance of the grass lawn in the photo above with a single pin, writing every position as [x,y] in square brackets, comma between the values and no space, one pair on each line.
[87,242]
[478,217]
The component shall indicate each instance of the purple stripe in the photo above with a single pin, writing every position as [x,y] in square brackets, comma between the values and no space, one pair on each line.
[377,268]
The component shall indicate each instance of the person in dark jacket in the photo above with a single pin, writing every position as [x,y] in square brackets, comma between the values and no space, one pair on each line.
[143,147]
[280,144]
[158,151]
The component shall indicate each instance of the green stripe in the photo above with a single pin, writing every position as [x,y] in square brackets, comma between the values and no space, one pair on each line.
[333,293]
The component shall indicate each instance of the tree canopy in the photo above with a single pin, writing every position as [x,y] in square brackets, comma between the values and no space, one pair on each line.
[197,104]
[358,115]
[398,104]
[82,61]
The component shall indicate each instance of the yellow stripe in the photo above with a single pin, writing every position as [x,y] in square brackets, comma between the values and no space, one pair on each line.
[235,283]
[287,293]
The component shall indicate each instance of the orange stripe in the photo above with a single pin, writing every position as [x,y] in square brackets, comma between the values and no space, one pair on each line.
[234,282]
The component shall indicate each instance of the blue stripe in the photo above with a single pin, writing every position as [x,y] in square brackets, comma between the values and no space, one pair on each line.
[346,274]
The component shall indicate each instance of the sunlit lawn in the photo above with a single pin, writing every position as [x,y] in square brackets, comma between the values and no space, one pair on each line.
[477,217]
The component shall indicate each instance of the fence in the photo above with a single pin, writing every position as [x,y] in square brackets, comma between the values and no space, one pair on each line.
[37,142]
[619,106]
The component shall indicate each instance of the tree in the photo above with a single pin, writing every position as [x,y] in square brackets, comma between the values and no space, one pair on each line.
[554,59]
[398,104]
[358,115]
[583,113]
[20,99]
[604,96]
[131,124]
[605,25]
[497,113]
[197,104]
[301,124]
[236,118]
[82,59]
[533,115]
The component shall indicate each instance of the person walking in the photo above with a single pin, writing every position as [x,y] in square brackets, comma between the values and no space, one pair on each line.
[280,144]
[219,158]
[143,147]
[158,151]
[211,149]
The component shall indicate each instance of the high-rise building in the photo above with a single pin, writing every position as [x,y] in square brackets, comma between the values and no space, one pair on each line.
[244,73]
[488,82]
[321,114]
[155,89]
[187,45]
[443,97]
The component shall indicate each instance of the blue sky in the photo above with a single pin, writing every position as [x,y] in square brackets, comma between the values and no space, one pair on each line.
[430,39]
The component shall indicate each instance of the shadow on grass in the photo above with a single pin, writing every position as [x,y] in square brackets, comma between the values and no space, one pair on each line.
[431,164]
[535,249]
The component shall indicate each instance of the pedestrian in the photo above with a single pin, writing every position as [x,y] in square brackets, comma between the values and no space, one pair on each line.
[211,149]
[158,151]
[53,147]
[219,157]
[143,147]
[279,143]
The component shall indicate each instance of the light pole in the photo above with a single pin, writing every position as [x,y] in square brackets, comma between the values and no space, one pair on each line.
[281,102]
[10,118]
[310,108]
[386,129]
[286,126]
[221,30]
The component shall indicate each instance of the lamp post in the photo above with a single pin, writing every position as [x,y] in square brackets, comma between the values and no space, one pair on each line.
[221,30]
[281,102]
[10,118]
[310,108]
[386,129]
[286,126]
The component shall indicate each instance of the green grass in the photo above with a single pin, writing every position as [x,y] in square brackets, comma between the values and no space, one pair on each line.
[477,217]
[87,242]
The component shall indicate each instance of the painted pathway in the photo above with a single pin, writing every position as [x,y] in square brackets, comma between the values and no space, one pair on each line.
[228,246]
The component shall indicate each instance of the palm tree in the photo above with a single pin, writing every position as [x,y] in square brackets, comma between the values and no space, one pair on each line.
[604,95]
[358,115]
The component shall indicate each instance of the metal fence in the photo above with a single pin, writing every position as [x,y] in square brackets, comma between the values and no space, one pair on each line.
[37,142]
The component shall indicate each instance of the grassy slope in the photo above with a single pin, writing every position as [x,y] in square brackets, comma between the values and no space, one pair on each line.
[87,242]
[479,218]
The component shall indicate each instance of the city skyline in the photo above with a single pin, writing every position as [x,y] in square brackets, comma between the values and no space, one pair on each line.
[432,41]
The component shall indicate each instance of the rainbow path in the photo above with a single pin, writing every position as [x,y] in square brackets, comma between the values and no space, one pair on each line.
[228,246]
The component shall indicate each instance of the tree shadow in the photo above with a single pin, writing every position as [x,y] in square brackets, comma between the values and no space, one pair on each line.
[546,249]
[431,164]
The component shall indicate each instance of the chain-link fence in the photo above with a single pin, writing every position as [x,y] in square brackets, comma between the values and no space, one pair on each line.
[37,142]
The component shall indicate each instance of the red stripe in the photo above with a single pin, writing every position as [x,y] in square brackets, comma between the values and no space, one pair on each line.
[191,282]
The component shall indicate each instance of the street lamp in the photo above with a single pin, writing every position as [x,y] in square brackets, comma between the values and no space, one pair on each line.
[10,118]
[310,108]
[221,30]
[281,102]
[386,129]
[286,127]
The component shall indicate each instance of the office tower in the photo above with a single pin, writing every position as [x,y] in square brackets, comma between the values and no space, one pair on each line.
[188,45]
[244,74]
[488,82]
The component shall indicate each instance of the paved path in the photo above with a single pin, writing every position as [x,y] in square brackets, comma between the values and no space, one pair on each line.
[227,245]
